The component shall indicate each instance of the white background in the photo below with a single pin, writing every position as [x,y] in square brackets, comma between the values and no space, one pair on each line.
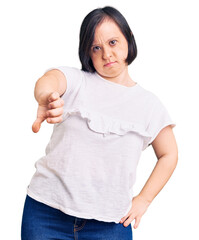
[39,34]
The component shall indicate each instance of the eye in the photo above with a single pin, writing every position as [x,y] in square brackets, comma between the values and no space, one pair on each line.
[113,42]
[96,48]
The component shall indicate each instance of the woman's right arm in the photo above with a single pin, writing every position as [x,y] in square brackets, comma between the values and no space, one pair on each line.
[47,92]
[52,81]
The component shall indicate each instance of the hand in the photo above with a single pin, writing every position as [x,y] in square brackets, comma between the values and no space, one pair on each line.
[50,109]
[139,207]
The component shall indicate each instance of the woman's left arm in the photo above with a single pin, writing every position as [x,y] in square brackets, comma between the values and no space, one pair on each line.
[166,150]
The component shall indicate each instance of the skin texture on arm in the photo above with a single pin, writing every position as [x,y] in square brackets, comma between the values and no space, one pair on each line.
[48,90]
[52,81]
[166,151]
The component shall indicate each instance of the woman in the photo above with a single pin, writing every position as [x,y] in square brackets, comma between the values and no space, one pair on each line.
[83,187]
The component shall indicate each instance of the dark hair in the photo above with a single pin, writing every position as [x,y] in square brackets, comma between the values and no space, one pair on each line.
[87,32]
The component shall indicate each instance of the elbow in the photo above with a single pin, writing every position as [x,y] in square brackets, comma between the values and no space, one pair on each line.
[175,161]
[169,161]
[172,161]
[175,156]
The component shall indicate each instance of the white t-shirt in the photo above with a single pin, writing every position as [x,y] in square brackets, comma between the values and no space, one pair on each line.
[90,164]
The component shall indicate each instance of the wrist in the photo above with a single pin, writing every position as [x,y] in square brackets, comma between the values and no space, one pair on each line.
[145,198]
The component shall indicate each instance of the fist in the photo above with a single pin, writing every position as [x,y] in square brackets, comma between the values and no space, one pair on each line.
[50,108]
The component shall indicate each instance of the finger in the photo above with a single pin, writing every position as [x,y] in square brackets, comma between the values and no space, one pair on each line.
[125,217]
[128,221]
[54,120]
[53,96]
[137,222]
[56,104]
[54,112]
[36,125]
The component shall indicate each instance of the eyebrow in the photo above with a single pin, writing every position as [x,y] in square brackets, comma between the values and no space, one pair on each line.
[113,38]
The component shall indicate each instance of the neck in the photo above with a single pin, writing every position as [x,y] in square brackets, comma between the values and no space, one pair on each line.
[123,78]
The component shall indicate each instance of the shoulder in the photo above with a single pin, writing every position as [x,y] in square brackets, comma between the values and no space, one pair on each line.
[148,97]
[74,72]
[67,70]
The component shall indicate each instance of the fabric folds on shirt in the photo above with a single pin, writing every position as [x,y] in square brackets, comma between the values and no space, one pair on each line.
[90,164]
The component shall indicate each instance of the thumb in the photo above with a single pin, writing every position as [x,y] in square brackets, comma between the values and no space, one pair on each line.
[37,124]
[137,222]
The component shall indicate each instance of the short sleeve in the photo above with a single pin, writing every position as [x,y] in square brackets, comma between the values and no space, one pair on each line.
[73,77]
[71,96]
[159,119]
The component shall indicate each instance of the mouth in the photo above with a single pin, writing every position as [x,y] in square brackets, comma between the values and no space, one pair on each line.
[109,64]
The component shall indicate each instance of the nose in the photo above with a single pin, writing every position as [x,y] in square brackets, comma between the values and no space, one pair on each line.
[107,53]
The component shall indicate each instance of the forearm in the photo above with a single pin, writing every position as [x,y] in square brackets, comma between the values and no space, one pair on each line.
[52,81]
[159,177]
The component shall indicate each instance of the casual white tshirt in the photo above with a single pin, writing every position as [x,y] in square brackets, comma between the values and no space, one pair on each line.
[90,164]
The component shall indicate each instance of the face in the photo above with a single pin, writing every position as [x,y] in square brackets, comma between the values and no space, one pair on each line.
[109,50]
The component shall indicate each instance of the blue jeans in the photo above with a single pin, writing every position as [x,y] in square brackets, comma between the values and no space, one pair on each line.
[42,222]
